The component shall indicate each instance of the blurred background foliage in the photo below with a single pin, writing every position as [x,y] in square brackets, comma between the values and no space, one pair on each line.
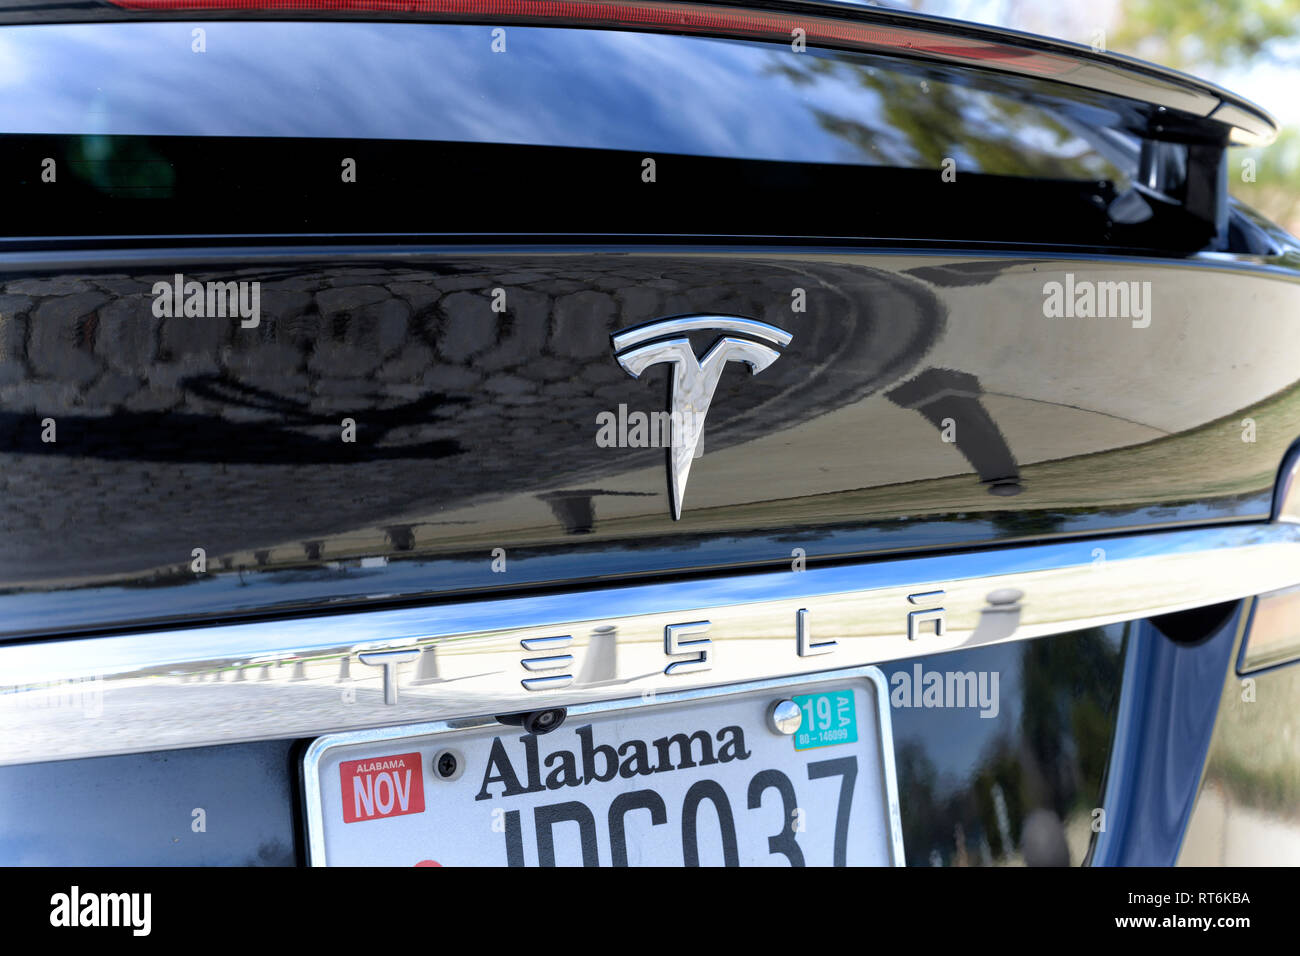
[1251,47]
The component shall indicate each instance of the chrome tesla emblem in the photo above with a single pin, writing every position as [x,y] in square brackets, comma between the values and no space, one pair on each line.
[694,380]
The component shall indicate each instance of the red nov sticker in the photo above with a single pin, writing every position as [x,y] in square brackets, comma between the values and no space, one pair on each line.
[380,787]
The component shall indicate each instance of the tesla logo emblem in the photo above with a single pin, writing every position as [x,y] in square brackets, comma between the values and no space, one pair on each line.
[694,380]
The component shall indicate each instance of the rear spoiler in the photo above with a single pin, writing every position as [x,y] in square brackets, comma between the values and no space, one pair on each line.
[1207,108]
[1175,106]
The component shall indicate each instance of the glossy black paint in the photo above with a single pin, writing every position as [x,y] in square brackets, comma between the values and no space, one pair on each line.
[478,429]
[1017,780]
[139,809]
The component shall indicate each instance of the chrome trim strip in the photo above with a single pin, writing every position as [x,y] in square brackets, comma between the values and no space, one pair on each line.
[1287,653]
[558,662]
[546,643]
[312,756]
[193,687]
[1287,504]
[546,683]
[299,248]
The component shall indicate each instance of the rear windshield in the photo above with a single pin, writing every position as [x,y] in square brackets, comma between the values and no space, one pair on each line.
[261,128]
[589,89]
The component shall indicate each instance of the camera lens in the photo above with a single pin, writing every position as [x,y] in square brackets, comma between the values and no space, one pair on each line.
[544,721]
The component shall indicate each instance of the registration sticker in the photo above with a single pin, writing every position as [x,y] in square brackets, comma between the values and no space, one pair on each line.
[383,787]
[828,718]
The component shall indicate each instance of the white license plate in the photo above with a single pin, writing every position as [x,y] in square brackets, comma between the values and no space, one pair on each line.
[694,777]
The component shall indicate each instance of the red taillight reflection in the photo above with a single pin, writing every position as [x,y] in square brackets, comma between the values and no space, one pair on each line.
[659,17]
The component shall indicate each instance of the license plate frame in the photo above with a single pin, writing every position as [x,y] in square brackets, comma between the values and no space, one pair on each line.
[402,736]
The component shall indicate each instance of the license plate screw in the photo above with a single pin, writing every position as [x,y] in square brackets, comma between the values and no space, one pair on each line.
[785,717]
[446,765]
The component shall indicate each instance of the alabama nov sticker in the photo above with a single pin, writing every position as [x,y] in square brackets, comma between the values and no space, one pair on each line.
[381,787]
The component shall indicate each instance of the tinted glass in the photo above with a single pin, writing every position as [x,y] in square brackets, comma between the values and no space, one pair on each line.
[551,87]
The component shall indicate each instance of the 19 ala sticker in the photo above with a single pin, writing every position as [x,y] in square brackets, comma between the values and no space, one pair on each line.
[828,719]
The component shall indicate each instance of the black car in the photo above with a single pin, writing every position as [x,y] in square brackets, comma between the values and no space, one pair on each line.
[498,432]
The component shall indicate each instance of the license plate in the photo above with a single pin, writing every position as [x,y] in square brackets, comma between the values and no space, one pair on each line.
[698,777]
